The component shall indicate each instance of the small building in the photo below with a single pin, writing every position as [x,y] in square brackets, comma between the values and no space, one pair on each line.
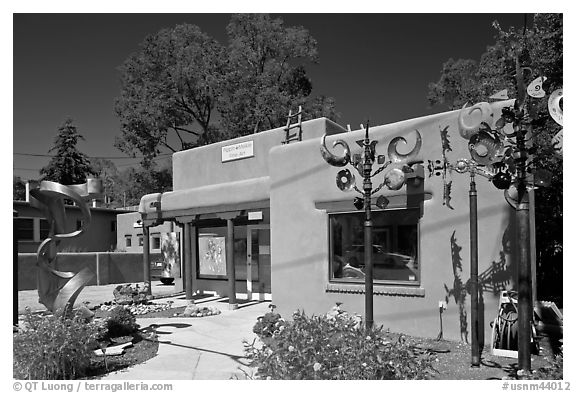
[33,228]
[264,219]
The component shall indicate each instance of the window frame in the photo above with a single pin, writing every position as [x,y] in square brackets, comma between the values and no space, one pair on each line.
[128,239]
[380,283]
[155,237]
[46,230]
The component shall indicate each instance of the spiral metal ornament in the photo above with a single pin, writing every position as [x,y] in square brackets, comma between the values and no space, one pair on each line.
[331,158]
[408,158]
[58,290]
[486,116]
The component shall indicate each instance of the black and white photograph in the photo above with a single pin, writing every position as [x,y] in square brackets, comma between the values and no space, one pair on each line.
[230,195]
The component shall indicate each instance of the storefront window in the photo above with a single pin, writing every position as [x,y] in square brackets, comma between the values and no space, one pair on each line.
[394,247]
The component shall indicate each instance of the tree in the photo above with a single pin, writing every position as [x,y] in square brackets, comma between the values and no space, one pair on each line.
[69,165]
[106,171]
[18,189]
[169,87]
[540,48]
[263,84]
[184,89]
[133,183]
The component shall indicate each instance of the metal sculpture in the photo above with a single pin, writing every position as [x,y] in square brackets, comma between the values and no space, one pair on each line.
[58,290]
[399,165]
[501,155]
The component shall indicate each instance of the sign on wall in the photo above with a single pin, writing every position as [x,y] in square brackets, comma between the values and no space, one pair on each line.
[238,151]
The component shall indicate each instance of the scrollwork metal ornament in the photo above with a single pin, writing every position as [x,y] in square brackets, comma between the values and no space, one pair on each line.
[58,290]
[396,167]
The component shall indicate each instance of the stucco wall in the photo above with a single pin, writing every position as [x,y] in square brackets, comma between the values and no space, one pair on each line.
[203,166]
[108,268]
[300,179]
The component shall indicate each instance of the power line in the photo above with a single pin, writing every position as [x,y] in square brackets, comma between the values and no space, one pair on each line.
[98,157]
[117,166]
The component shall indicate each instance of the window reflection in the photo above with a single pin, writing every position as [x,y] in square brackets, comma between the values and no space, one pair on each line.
[394,249]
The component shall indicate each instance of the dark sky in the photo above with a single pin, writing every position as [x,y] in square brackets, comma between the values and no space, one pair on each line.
[376,66]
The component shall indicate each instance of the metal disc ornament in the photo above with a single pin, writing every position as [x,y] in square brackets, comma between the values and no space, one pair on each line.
[345,180]
[484,148]
[554,106]
[394,179]
[535,89]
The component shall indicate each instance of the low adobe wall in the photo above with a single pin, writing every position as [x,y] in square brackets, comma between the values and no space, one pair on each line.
[108,267]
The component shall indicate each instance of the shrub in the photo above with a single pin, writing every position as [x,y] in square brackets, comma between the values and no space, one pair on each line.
[121,322]
[554,371]
[48,347]
[268,323]
[334,346]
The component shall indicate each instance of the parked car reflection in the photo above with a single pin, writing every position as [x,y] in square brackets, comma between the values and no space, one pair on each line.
[386,265]
[354,256]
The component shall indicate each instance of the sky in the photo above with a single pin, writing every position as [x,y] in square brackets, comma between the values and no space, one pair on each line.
[376,66]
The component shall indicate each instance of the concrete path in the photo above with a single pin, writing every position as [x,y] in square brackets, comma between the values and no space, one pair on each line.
[208,348]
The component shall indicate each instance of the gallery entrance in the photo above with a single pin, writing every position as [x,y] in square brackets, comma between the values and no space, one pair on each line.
[258,268]
[250,250]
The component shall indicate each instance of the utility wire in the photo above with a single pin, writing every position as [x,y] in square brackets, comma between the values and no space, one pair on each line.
[107,158]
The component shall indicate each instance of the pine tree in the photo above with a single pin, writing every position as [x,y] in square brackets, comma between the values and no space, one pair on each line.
[69,165]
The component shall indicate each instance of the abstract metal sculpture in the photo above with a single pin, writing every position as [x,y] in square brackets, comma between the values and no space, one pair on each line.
[394,179]
[58,290]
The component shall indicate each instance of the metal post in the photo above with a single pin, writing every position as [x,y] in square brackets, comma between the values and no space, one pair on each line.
[525,311]
[474,269]
[230,265]
[15,267]
[368,283]
[146,257]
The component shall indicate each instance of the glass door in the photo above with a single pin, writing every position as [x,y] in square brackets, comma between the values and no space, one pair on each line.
[258,268]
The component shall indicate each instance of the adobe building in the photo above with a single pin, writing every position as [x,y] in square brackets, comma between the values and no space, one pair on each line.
[263,219]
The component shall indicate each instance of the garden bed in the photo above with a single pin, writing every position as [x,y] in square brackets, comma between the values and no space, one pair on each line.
[145,347]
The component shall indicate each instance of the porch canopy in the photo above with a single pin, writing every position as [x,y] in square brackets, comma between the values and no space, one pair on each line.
[215,198]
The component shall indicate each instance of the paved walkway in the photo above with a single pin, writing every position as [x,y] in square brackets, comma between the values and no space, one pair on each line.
[207,348]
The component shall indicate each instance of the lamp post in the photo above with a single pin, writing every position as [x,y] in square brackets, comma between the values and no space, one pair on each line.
[463,166]
[394,179]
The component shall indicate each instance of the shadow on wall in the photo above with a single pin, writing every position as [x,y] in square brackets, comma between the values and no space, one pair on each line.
[458,291]
[493,280]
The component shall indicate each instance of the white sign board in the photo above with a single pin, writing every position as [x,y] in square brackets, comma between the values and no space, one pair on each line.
[238,151]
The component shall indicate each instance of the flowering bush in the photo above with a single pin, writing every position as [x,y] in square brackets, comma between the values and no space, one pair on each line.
[267,324]
[333,346]
[48,347]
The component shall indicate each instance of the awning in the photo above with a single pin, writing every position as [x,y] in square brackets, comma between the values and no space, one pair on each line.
[238,195]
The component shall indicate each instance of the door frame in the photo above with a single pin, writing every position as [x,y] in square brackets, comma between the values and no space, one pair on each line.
[249,293]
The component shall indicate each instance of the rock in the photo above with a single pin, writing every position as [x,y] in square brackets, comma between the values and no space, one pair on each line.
[113,351]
